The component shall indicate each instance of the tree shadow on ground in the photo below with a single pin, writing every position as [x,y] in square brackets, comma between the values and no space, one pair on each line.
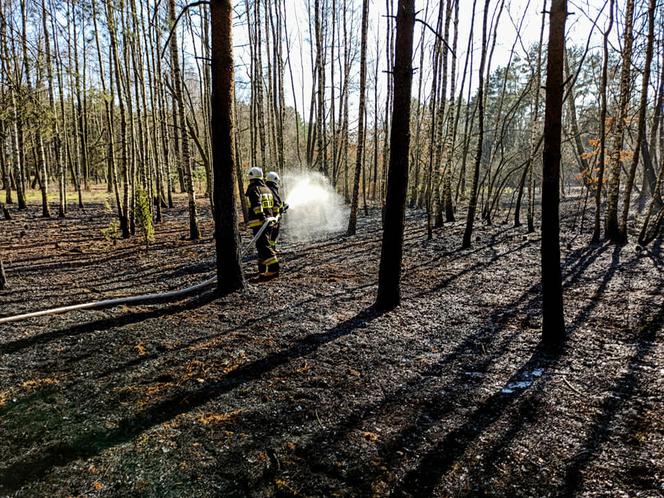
[531,407]
[422,479]
[624,389]
[94,442]
[425,476]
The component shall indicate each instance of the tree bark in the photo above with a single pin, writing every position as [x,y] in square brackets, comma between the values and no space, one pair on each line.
[194,232]
[472,208]
[229,268]
[640,136]
[602,129]
[352,222]
[389,295]
[611,229]
[553,321]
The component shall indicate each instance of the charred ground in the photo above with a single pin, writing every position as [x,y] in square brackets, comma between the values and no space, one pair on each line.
[298,388]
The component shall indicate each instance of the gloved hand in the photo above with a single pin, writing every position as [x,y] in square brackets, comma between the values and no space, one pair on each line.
[285,208]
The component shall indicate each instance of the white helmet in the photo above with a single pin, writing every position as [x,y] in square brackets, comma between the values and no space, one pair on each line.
[272,177]
[255,174]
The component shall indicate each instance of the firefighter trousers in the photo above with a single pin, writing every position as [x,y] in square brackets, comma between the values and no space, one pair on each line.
[274,236]
[268,263]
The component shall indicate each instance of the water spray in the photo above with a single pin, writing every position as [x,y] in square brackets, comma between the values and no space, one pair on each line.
[316,209]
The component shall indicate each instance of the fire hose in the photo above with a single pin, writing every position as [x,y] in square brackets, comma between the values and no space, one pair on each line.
[143,299]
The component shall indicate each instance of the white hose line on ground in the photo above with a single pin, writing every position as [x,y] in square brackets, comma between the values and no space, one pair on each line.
[135,300]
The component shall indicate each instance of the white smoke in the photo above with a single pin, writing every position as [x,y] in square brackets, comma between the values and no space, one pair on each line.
[315,211]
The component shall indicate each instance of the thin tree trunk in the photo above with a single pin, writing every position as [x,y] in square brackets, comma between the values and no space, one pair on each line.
[352,223]
[602,129]
[123,212]
[640,136]
[194,232]
[611,229]
[527,175]
[472,207]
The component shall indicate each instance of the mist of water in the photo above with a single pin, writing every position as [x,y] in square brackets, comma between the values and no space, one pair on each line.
[316,209]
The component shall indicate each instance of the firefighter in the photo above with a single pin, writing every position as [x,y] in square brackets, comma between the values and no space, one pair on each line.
[272,180]
[261,207]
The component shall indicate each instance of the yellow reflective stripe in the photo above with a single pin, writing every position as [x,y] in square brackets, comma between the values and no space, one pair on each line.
[258,210]
[255,223]
[270,261]
[267,201]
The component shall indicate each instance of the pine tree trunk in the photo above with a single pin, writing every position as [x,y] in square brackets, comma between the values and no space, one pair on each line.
[229,269]
[553,320]
[389,293]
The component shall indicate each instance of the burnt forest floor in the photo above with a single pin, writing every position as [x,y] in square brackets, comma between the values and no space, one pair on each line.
[297,387]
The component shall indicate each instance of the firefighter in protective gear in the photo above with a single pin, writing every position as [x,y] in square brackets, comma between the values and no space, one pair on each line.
[261,207]
[272,180]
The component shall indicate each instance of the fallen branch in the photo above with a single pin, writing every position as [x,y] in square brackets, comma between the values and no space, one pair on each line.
[572,387]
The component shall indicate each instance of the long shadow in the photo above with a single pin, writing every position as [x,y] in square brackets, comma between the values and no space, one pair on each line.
[573,267]
[423,479]
[275,315]
[434,411]
[69,266]
[582,258]
[449,256]
[529,409]
[601,289]
[341,253]
[103,286]
[624,389]
[74,261]
[94,442]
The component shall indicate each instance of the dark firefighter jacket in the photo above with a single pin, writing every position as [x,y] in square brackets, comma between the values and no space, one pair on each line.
[278,201]
[261,203]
